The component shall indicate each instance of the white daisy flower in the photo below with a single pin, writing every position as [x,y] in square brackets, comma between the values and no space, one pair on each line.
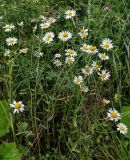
[84,88]
[57,62]
[69,14]
[113,115]
[96,66]
[51,20]
[65,35]
[44,25]
[48,37]
[69,60]
[78,80]
[24,50]
[84,48]
[87,70]
[57,55]
[70,52]
[104,75]
[103,56]
[107,44]
[9,27]
[122,128]
[92,49]
[11,41]
[18,106]
[105,101]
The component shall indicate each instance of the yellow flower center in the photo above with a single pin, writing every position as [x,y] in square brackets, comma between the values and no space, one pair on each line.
[49,36]
[78,80]
[8,27]
[87,69]
[85,47]
[18,106]
[70,51]
[96,66]
[107,45]
[114,114]
[65,35]
[45,25]
[69,13]
[103,75]
[103,55]
[122,128]
[83,35]
[92,48]
[11,41]
[70,60]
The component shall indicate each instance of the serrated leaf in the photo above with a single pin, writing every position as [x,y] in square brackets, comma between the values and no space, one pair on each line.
[126,118]
[4,118]
[8,151]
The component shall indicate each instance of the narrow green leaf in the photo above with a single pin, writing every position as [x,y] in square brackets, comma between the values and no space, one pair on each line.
[4,118]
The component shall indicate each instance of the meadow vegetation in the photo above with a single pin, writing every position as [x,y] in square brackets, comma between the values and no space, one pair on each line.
[64,80]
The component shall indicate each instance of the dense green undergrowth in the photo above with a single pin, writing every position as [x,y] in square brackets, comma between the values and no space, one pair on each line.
[60,122]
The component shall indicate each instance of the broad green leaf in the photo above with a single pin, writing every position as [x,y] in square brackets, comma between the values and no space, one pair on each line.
[126,118]
[8,151]
[4,118]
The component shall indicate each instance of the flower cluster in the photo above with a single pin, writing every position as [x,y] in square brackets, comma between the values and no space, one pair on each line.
[93,66]
[89,69]
[114,115]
